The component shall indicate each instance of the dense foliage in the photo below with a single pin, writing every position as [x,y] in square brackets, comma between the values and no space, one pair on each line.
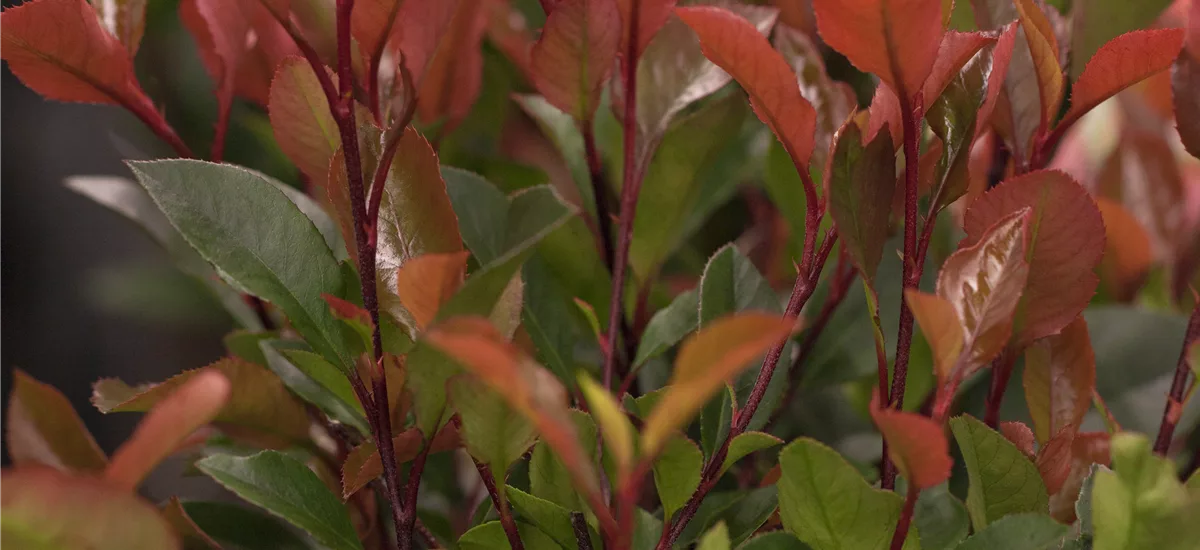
[491,305]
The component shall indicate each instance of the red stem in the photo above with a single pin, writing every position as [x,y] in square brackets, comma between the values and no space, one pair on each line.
[145,111]
[373,65]
[1166,430]
[1002,369]
[905,520]
[912,271]
[600,192]
[506,519]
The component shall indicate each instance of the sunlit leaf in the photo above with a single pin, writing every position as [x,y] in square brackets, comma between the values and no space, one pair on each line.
[576,54]
[732,42]
[193,403]
[896,40]
[47,509]
[41,427]
[826,503]
[705,362]
[1066,241]
[285,487]
[1060,374]
[1002,480]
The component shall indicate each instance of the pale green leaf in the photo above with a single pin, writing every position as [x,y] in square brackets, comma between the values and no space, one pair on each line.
[1003,481]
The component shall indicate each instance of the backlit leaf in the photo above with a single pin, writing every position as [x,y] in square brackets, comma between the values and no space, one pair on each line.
[859,182]
[1002,480]
[286,487]
[896,40]
[826,503]
[300,118]
[493,432]
[916,444]
[736,46]
[575,54]
[41,427]
[191,405]
[1018,532]
[1043,46]
[46,509]
[1060,374]
[258,400]
[1066,241]
[705,362]
[1120,63]
[232,217]
[983,281]
[614,426]
[677,473]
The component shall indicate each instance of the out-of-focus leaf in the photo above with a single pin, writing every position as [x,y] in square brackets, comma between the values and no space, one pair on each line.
[1142,504]
[240,44]
[550,477]
[706,360]
[775,540]
[743,511]
[46,509]
[550,518]
[1043,46]
[716,538]
[493,432]
[285,487]
[258,401]
[454,76]
[677,473]
[896,40]
[916,444]
[424,283]
[303,125]
[745,444]
[1054,458]
[859,184]
[614,426]
[193,403]
[735,45]
[651,16]
[575,55]
[1002,480]
[1060,374]
[189,533]
[1096,22]
[826,503]
[231,216]
[833,100]
[491,535]
[1087,450]
[1018,532]
[1185,88]
[1121,63]
[562,131]
[984,280]
[124,19]
[238,527]
[312,381]
[940,519]
[1066,241]
[363,464]
[41,427]
[668,326]
[1127,253]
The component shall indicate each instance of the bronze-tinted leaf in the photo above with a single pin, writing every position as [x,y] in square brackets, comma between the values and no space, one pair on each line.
[41,427]
[576,54]
[896,40]
[1060,374]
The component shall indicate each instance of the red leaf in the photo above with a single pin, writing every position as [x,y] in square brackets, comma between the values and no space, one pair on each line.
[984,281]
[1087,448]
[1043,46]
[41,427]
[940,325]
[455,74]
[956,49]
[363,465]
[575,54]
[735,45]
[895,39]
[418,31]
[1020,435]
[1121,63]
[1066,243]
[426,282]
[885,112]
[240,44]
[196,403]
[652,15]
[1060,373]
[916,444]
[348,311]
[300,118]
[509,32]
[1128,252]
[371,22]
[1054,459]
[1185,88]
[58,49]
[1001,56]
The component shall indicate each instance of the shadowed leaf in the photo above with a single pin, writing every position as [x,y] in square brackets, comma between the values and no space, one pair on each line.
[1060,374]
[575,55]
[859,182]
[1018,532]
[1043,46]
[1002,480]
[363,465]
[41,427]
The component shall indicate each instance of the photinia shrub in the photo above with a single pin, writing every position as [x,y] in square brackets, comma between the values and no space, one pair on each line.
[488,304]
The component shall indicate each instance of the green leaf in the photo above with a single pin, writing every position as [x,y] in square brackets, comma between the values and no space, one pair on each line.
[549,478]
[672,181]
[826,503]
[285,487]
[677,473]
[259,400]
[746,443]
[131,201]
[952,119]
[1018,532]
[314,383]
[491,536]
[547,318]
[743,511]
[244,344]
[859,185]
[234,218]
[940,518]
[668,326]
[237,527]
[1141,503]
[776,540]
[1002,479]
[646,531]
[493,432]
[716,538]
[550,518]
[41,427]
[561,129]
[45,509]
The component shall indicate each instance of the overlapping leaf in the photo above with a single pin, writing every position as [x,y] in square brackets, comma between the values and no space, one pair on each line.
[1060,374]
[576,54]
[454,77]
[1043,46]
[916,444]
[41,427]
[1120,63]
[897,40]
[1002,480]
[300,118]
[1128,252]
